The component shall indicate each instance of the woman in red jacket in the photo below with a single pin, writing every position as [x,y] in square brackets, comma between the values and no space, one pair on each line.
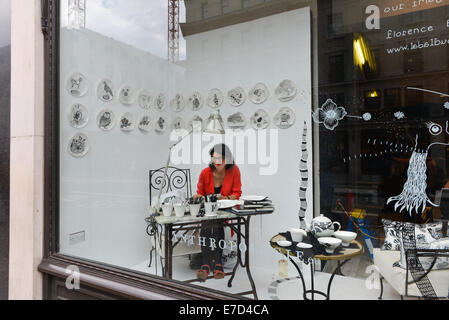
[221,178]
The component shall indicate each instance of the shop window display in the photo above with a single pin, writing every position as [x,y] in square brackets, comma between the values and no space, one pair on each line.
[333,117]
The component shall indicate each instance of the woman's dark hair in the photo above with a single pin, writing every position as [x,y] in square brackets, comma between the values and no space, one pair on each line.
[225,152]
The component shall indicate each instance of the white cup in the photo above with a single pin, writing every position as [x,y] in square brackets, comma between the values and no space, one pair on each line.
[211,208]
[180,209]
[167,209]
[298,234]
[194,209]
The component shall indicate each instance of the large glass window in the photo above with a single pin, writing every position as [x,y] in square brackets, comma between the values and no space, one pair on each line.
[194,143]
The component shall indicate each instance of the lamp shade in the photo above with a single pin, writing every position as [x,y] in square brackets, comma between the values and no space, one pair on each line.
[215,124]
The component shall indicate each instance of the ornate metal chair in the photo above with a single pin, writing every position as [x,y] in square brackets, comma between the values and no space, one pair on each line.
[175,179]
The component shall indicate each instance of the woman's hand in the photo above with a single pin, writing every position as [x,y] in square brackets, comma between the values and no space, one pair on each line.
[195,196]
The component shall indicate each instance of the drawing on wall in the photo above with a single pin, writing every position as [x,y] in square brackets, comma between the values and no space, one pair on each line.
[126,95]
[145,123]
[177,124]
[78,145]
[78,116]
[237,121]
[330,115]
[304,171]
[177,104]
[196,123]
[144,99]
[77,85]
[106,120]
[160,126]
[285,118]
[259,93]
[399,115]
[105,90]
[160,102]
[286,91]
[215,98]
[196,101]
[236,97]
[260,120]
[127,122]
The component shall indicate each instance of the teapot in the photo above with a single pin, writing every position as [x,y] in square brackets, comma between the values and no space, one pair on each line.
[323,227]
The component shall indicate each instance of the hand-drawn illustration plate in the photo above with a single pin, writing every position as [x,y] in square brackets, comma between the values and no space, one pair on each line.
[127,122]
[77,85]
[196,101]
[285,118]
[126,95]
[160,126]
[178,124]
[260,120]
[144,123]
[286,91]
[78,145]
[237,121]
[106,120]
[215,98]
[105,90]
[78,117]
[259,93]
[177,104]
[160,102]
[236,97]
[144,99]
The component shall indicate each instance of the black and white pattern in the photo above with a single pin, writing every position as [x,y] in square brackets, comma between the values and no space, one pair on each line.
[145,123]
[106,120]
[196,101]
[105,90]
[286,91]
[160,102]
[236,97]
[127,122]
[260,120]
[78,116]
[285,118]
[144,99]
[178,124]
[78,145]
[237,121]
[160,126]
[426,262]
[304,172]
[259,93]
[77,85]
[177,104]
[126,95]
[215,98]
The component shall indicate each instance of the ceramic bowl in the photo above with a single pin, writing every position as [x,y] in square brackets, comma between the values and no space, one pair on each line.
[330,244]
[284,243]
[303,245]
[297,234]
[345,236]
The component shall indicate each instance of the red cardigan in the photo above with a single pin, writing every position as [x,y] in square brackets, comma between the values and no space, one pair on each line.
[232,185]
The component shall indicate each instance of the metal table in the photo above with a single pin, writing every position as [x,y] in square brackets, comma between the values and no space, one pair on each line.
[342,258]
[173,225]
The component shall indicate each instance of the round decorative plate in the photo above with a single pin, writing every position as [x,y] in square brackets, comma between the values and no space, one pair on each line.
[106,120]
[126,95]
[160,126]
[259,93]
[78,145]
[198,120]
[215,98]
[178,124]
[286,91]
[177,104]
[144,99]
[237,121]
[260,120]
[127,122]
[285,118]
[236,97]
[77,85]
[160,102]
[145,123]
[253,198]
[196,101]
[105,90]
[78,116]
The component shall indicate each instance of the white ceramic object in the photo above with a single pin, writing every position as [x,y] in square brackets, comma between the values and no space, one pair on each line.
[329,243]
[284,243]
[180,209]
[159,102]
[236,97]
[345,236]
[225,204]
[127,122]
[126,95]
[196,124]
[178,124]
[237,121]
[145,123]
[323,227]
[253,198]
[144,99]
[297,234]
[177,104]
[286,91]
[78,145]
[285,118]
[215,98]
[196,101]
[77,85]
[194,209]
[160,126]
[167,209]
[259,93]
[260,120]
[105,90]
[78,116]
[211,209]
[303,245]
[106,120]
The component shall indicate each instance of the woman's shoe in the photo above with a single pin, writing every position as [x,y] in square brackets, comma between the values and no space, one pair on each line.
[219,272]
[203,273]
